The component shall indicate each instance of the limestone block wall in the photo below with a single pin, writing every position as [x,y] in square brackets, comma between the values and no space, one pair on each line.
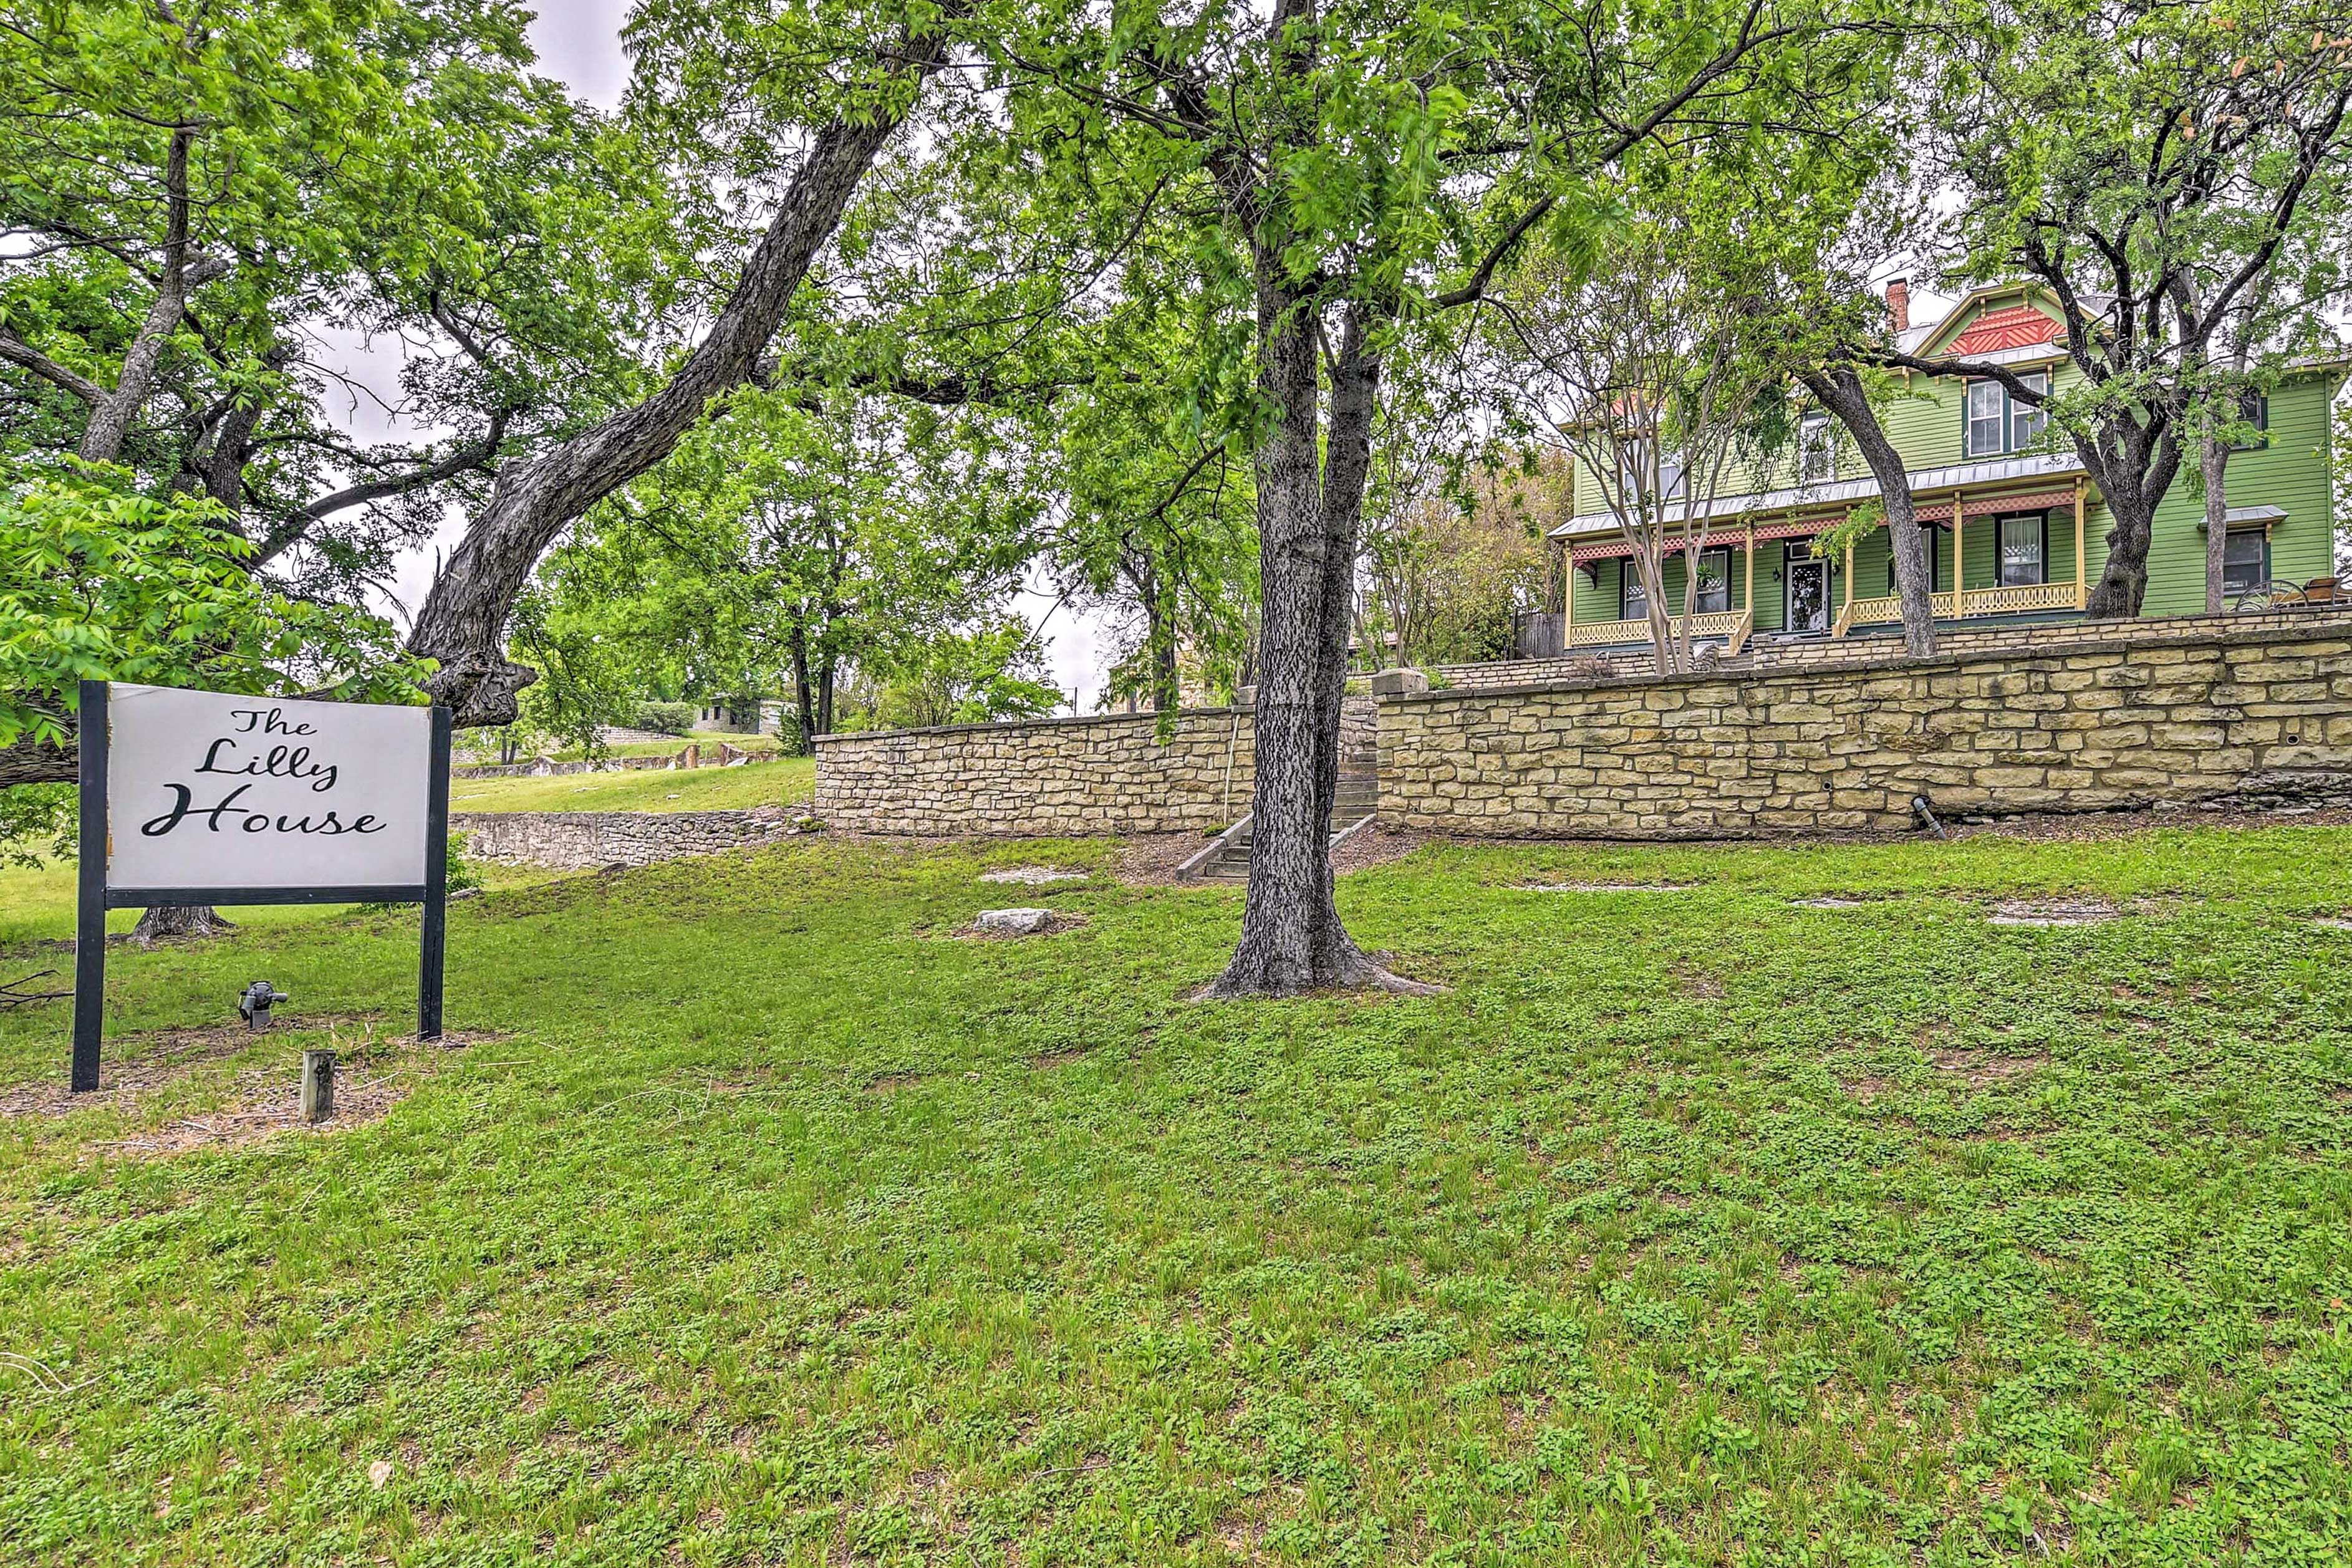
[578,840]
[1108,773]
[2087,722]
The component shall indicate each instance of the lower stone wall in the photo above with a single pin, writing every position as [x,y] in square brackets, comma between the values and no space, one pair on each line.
[2205,711]
[1109,773]
[577,840]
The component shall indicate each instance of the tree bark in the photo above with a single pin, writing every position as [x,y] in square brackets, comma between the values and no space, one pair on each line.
[804,708]
[166,922]
[463,622]
[181,275]
[1308,513]
[1839,389]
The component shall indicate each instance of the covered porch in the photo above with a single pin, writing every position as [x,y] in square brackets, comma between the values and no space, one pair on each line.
[1998,551]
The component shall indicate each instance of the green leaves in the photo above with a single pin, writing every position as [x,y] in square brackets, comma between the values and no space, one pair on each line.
[101,582]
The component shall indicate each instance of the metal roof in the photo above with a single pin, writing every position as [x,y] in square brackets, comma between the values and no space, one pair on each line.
[1842,492]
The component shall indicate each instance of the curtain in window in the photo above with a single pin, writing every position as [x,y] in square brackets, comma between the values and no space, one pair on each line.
[2020,551]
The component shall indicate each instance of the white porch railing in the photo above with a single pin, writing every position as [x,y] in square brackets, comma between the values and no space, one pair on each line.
[1732,626]
[2019,599]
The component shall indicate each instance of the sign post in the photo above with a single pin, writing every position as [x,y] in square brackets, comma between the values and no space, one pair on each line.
[194,798]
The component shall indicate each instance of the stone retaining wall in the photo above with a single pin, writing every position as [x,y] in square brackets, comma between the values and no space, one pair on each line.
[1863,649]
[576,839]
[1108,773]
[2088,718]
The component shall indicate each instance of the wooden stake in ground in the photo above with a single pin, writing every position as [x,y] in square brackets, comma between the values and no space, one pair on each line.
[318,1085]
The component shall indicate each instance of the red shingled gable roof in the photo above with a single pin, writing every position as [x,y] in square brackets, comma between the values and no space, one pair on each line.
[2014,327]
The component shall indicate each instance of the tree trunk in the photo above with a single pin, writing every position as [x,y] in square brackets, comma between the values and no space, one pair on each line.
[1839,390]
[2123,581]
[1292,939]
[804,708]
[166,922]
[463,622]
[2213,464]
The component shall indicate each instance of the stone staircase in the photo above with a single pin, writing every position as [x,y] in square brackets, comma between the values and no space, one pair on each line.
[1358,797]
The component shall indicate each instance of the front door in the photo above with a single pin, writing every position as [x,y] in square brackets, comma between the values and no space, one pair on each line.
[1808,593]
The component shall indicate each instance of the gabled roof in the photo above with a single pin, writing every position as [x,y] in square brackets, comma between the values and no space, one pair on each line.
[1964,333]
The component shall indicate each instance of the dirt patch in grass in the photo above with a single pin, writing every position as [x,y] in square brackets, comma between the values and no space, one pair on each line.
[135,1067]
[1378,845]
[1979,1069]
[1062,1058]
[1701,985]
[1150,860]
[2054,911]
[264,1101]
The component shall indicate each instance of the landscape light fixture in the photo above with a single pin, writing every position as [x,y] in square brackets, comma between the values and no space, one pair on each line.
[254,1006]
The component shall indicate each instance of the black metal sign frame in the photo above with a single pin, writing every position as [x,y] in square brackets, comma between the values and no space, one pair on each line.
[96,897]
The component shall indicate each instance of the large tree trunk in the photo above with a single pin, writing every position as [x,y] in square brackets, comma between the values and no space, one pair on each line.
[2123,581]
[1839,390]
[463,622]
[1292,939]
[2213,464]
[167,922]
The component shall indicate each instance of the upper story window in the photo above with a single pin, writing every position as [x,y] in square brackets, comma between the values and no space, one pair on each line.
[1816,450]
[1633,599]
[2254,409]
[1999,423]
[1634,474]
[2026,421]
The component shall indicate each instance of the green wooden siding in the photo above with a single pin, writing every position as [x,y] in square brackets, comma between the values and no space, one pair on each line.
[1927,423]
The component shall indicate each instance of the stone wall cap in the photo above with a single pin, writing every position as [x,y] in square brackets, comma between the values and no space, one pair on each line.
[1003,725]
[2270,632]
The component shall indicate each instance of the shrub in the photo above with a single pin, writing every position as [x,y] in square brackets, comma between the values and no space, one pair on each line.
[664,718]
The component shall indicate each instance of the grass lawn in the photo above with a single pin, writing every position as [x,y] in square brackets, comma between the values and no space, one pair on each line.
[766,1221]
[785,782]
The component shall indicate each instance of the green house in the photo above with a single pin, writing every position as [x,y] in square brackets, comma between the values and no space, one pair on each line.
[2016,526]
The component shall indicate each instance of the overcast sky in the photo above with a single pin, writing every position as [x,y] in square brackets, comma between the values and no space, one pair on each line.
[579,43]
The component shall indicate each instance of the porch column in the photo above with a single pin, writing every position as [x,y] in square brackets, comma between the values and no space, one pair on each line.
[2081,594]
[1959,560]
[1747,596]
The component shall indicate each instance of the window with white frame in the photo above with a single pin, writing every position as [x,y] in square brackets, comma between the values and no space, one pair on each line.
[1634,474]
[1816,450]
[1999,423]
[2026,421]
[1713,590]
[2024,548]
[2245,561]
[1988,418]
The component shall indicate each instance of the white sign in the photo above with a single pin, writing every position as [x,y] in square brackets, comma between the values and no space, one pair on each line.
[208,790]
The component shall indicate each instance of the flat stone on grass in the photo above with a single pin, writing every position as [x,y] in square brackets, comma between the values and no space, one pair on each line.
[1032,875]
[1012,922]
[1829,902]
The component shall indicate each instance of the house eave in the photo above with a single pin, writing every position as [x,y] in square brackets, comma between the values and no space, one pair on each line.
[1842,493]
